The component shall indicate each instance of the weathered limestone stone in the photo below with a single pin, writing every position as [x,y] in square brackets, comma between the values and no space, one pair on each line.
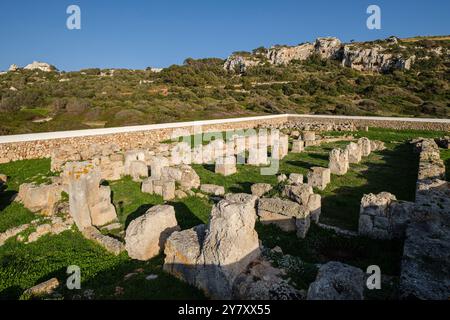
[164,188]
[184,175]
[42,198]
[366,147]
[231,244]
[212,189]
[338,162]
[425,272]
[337,281]
[212,257]
[44,288]
[147,186]
[282,213]
[179,194]
[182,251]
[226,165]
[354,152]
[61,155]
[138,170]
[299,193]
[12,232]
[110,244]
[375,215]
[157,163]
[145,236]
[3,179]
[295,178]
[103,211]
[259,189]
[181,154]
[264,282]
[315,207]
[282,178]
[309,135]
[319,177]
[89,203]
[257,150]
[298,146]
[376,145]
[130,156]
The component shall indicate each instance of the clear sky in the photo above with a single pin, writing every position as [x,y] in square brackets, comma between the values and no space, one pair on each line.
[141,33]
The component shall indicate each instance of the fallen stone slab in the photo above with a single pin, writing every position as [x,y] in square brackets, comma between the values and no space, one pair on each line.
[112,245]
[40,198]
[299,193]
[212,189]
[44,288]
[282,213]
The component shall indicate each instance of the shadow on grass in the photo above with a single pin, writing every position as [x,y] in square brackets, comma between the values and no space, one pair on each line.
[397,174]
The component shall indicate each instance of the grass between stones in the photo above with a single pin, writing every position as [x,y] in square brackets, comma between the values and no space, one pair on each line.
[393,170]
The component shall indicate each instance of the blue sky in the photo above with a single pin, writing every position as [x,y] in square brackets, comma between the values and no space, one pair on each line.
[142,33]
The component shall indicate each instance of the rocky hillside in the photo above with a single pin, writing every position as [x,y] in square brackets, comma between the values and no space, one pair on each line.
[379,56]
[392,77]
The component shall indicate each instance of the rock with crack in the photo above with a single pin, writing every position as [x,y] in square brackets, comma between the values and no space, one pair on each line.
[354,152]
[184,175]
[338,162]
[212,257]
[260,189]
[299,193]
[110,244]
[43,288]
[284,214]
[319,177]
[40,198]
[89,202]
[146,236]
[366,146]
[298,146]
[337,281]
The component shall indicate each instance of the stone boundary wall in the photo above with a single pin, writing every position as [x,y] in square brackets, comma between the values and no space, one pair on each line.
[40,145]
[426,124]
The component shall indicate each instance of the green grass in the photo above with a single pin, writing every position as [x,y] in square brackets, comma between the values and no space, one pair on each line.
[393,170]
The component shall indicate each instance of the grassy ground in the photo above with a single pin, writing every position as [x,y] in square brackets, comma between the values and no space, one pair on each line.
[393,170]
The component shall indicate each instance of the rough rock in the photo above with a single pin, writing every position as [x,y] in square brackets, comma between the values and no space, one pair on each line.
[295,178]
[298,146]
[282,213]
[319,177]
[42,198]
[259,189]
[110,244]
[43,288]
[376,145]
[145,236]
[366,147]
[226,166]
[184,175]
[337,281]
[338,162]
[315,207]
[299,193]
[354,152]
[40,66]
[138,170]
[212,189]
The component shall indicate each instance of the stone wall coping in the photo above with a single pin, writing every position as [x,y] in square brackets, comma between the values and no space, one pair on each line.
[151,127]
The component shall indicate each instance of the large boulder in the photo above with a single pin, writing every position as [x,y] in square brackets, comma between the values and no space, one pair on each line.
[337,281]
[146,236]
[231,244]
[40,198]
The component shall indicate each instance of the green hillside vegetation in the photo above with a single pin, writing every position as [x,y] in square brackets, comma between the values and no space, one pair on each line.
[35,101]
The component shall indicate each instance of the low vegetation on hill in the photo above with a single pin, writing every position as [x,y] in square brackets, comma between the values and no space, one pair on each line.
[37,101]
